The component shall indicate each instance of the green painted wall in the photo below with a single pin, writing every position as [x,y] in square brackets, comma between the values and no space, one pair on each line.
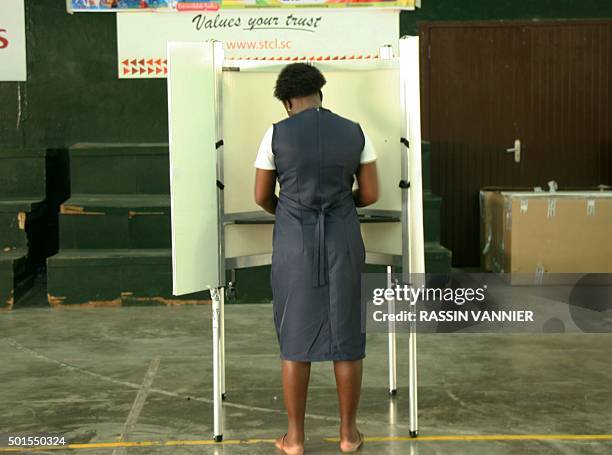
[73,94]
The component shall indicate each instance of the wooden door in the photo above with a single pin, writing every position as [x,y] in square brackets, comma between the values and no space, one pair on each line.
[487,84]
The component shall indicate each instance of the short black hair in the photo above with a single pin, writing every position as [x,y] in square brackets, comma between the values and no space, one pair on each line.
[297,80]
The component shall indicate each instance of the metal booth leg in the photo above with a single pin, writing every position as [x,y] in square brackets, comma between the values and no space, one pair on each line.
[392,350]
[222,342]
[412,376]
[216,295]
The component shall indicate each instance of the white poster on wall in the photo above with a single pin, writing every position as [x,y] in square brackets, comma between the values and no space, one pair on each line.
[12,41]
[286,35]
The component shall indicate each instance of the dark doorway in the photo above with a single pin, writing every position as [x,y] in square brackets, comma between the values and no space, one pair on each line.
[485,85]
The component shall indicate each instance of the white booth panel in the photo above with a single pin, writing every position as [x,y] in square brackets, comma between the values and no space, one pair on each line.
[409,71]
[372,99]
[255,239]
[382,237]
[247,239]
[249,109]
[367,93]
[193,167]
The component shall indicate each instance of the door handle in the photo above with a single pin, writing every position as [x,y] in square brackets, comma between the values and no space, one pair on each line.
[516,150]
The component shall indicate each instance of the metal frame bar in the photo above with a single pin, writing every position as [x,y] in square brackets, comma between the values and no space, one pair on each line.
[405,207]
[219,302]
[392,342]
[259,66]
[244,262]
[245,216]
[259,215]
[218,57]
[379,212]
[385,54]
[413,256]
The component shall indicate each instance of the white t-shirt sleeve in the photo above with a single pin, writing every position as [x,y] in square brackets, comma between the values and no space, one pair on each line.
[368,154]
[265,157]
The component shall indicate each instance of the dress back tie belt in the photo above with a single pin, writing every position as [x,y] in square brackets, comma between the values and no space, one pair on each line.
[319,260]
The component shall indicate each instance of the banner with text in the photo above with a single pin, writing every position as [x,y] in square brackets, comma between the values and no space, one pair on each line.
[12,41]
[283,35]
[215,5]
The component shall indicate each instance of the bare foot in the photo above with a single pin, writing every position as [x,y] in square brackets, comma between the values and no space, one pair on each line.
[351,445]
[290,449]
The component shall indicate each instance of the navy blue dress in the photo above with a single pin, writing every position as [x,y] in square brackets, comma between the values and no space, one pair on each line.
[318,252]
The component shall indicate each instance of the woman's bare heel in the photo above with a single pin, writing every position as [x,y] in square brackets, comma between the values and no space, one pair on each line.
[352,447]
[289,450]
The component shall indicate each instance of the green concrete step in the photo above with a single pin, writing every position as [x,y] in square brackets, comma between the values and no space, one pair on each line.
[120,277]
[25,224]
[115,221]
[438,259]
[33,182]
[119,168]
[22,173]
[431,216]
[16,276]
[103,277]
[17,216]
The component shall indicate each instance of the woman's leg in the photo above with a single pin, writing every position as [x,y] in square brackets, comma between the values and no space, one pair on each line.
[295,387]
[348,383]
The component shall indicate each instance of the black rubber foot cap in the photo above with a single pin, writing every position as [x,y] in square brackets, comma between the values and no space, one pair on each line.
[223,396]
[218,438]
[393,392]
[414,434]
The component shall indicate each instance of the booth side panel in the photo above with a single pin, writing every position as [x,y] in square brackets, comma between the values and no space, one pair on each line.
[193,167]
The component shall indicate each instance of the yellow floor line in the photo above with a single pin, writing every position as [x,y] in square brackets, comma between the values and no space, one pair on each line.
[492,437]
[207,442]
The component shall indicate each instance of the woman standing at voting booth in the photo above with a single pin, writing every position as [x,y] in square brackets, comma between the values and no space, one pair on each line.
[318,252]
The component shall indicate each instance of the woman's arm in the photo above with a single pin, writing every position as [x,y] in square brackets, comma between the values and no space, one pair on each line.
[265,184]
[367,179]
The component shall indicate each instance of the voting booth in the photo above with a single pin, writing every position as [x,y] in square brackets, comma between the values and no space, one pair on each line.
[218,113]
